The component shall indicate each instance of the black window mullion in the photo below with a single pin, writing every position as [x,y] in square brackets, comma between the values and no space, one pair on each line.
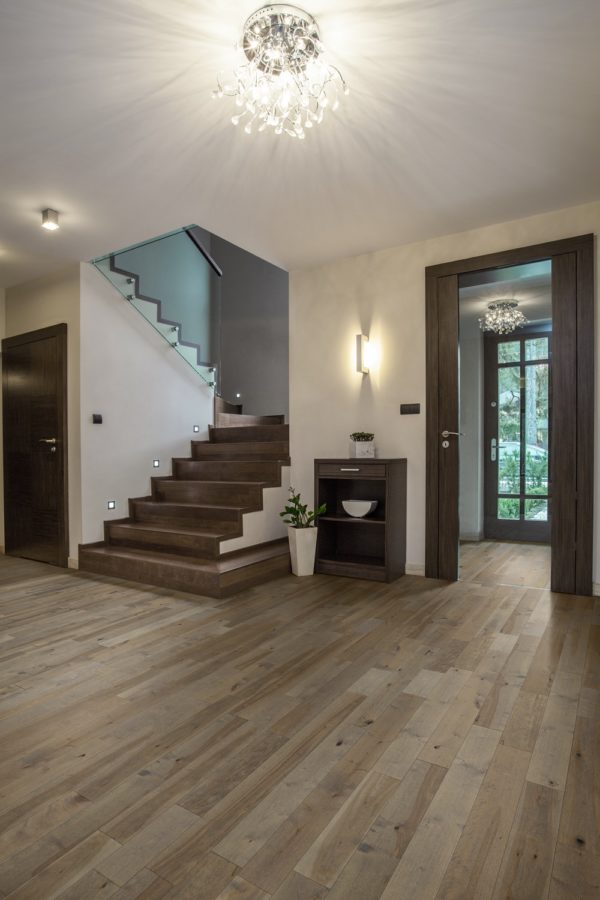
[522,429]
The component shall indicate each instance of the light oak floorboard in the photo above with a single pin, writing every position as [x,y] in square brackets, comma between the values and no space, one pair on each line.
[307,739]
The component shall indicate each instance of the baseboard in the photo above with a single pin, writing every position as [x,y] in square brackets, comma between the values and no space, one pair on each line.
[414,569]
[471,536]
[72,563]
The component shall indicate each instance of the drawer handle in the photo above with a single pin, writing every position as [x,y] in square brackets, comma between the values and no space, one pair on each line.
[346,469]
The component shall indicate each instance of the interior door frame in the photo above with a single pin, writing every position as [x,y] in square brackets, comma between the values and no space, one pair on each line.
[573,404]
[60,333]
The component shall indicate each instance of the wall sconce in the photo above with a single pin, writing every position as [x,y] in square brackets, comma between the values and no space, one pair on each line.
[362,343]
[50,219]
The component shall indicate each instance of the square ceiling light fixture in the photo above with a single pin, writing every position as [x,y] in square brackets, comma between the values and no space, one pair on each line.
[282,80]
[50,219]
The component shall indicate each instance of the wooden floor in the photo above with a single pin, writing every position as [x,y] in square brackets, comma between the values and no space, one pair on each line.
[505,562]
[312,738]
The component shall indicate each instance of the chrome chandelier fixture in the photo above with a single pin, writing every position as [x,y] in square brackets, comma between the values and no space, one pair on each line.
[282,81]
[502,317]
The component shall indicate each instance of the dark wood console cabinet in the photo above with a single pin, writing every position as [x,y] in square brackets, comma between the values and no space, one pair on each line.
[373,547]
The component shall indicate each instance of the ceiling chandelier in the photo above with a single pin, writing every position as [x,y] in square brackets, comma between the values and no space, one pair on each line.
[282,81]
[502,317]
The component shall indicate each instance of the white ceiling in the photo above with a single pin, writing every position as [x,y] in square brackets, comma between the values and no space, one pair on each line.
[461,113]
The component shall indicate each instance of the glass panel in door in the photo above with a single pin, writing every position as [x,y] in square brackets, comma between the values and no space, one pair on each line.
[518,437]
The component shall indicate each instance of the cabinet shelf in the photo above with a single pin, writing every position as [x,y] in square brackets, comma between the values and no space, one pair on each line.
[353,520]
[375,547]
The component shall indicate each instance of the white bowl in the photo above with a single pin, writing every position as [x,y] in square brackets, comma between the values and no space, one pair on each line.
[359,508]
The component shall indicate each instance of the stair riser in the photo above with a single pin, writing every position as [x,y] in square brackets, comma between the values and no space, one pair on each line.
[179,579]
[164,541]
[244,450]
[146,572]
[227,420]
[247,495]
[228,520]
[224,406]
[229,470]
[250,433]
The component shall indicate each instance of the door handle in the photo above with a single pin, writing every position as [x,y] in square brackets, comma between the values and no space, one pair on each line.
[47,441]
[493,450]
[446,434]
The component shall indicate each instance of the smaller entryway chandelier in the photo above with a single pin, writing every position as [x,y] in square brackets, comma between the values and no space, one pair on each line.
[282,81]
[502,317]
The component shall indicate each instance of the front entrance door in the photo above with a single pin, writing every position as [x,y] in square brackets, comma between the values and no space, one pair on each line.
[517,416]
[34,395]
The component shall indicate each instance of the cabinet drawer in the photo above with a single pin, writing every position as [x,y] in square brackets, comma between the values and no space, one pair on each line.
[351,470]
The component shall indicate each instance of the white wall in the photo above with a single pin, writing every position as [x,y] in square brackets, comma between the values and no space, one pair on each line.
[38,304]
[471,426]
[383,294]
[149,398]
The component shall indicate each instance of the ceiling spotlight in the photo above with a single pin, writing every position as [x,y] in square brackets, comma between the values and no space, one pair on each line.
[282,80]
[502,317]
[50,219]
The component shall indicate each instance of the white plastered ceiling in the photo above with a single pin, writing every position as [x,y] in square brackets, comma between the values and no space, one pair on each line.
[461,113]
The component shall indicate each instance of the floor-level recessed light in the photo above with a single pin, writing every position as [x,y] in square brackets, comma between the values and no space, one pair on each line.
[50,219]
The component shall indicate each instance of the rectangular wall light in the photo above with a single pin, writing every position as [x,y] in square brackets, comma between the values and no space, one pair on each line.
[362,342]
[112,504]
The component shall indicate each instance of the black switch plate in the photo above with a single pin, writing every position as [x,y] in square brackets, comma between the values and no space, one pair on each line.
[96,419]
[410,409]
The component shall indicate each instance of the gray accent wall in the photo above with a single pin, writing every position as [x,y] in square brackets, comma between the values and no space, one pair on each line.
[254,330]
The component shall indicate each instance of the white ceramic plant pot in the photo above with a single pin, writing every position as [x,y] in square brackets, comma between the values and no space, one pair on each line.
[303,545]
[362,449]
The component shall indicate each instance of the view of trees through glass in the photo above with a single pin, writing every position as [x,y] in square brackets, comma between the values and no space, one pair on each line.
[523,428]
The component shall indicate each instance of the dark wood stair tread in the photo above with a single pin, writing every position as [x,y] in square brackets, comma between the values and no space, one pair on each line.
[239,558]
[172,505]
[235,433]
[169,479]
[229,420]
[220,577]
[203,531]
[240,451]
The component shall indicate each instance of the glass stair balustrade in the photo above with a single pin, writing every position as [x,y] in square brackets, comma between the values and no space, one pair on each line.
[174,283]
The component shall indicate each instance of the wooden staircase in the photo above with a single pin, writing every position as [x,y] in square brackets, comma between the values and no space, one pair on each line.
[173,537]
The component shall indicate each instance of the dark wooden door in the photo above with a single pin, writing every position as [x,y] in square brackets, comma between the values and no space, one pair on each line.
[571,482]
[34,395]
[517,435]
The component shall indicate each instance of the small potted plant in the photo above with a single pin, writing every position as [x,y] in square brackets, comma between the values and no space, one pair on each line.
[302,533]
[362,445]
